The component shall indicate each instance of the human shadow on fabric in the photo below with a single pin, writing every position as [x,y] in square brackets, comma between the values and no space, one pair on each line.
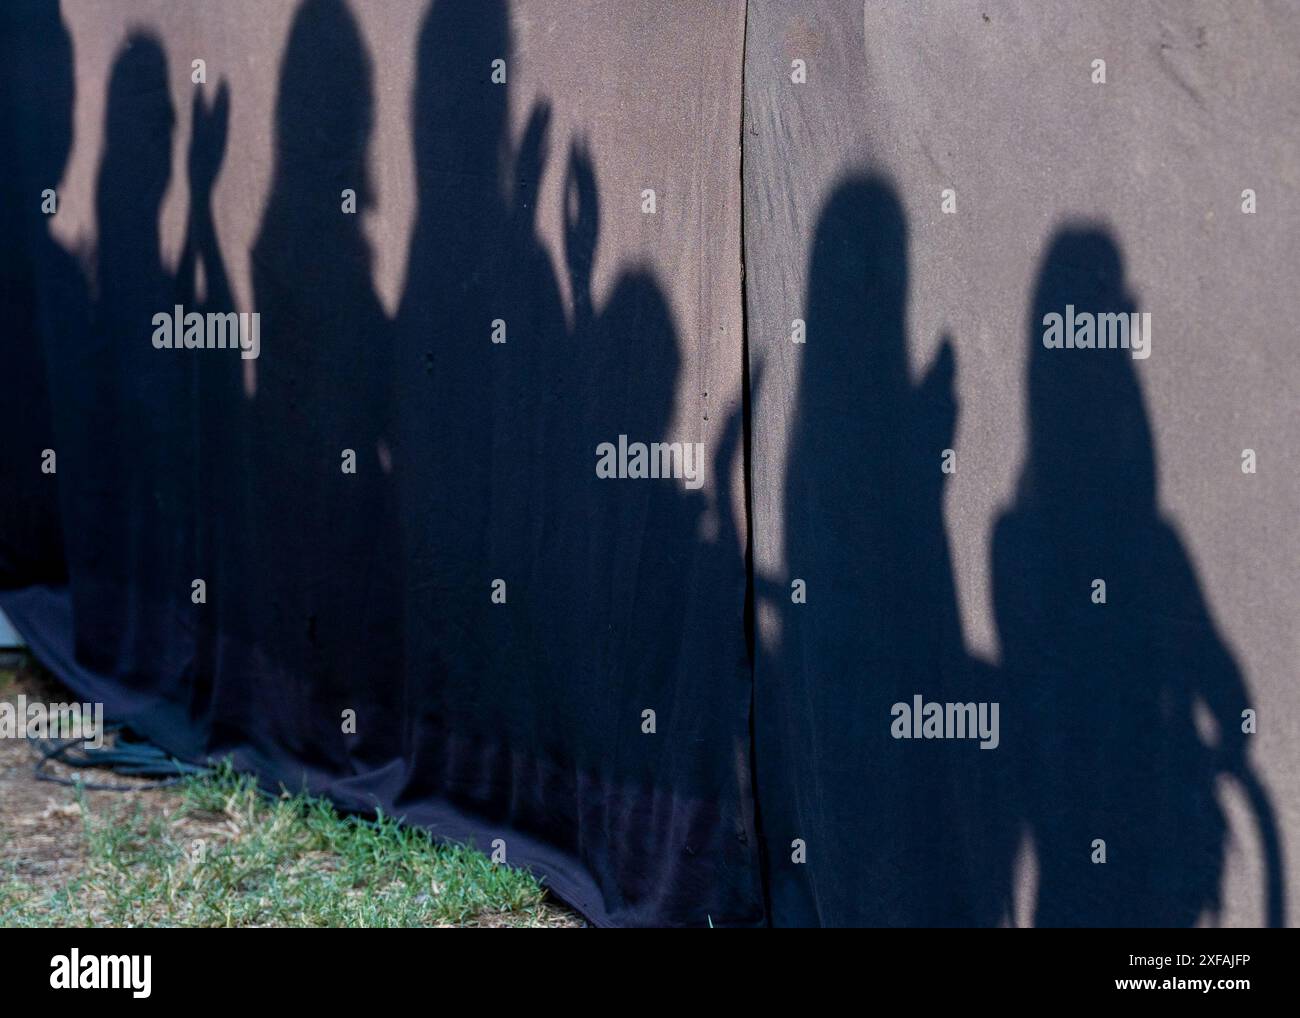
[547,608]
[131,469]
[317,588]
[43,291]
[1124,704]
[892,831]
[219,433]
[480,297]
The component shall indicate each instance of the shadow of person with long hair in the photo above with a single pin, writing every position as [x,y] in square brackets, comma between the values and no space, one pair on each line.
[323,614]
[133,547]
[865,828]
[479,317]
[1108,684]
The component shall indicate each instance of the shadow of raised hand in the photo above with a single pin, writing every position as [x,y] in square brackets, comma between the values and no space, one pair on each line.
[210,128]
[581,226]
[208,134]
[529,165]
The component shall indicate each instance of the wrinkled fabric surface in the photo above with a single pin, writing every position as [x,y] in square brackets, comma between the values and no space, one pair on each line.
[418,593]
[949,490]
[381,560]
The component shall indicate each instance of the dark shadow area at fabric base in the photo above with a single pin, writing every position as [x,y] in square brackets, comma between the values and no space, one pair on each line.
[371,591]
[1102,698]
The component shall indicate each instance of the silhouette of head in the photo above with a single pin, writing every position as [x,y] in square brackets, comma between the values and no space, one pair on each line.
[461,115]
[137,160]
[324,109]
[38,49]
[1090,438]
[858,287]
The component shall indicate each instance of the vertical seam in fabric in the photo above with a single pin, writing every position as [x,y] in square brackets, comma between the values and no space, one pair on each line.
[750,617]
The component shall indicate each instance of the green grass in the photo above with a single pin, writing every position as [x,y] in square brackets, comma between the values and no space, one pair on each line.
[220,853]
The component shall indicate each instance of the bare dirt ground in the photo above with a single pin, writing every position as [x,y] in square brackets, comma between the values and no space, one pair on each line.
[41,822]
